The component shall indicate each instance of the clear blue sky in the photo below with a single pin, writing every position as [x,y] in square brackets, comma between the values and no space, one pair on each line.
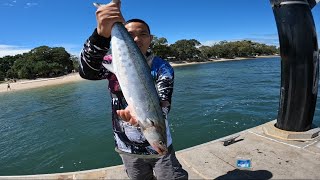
[26,24]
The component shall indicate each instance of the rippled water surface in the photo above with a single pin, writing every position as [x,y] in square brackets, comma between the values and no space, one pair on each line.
[68,127]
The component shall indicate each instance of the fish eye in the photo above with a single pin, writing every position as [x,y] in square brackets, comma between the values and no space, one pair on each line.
[161,143]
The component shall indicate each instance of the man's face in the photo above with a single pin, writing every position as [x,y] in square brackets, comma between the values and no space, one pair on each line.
[140,35]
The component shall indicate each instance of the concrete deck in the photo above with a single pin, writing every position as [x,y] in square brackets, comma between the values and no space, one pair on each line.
[271,158]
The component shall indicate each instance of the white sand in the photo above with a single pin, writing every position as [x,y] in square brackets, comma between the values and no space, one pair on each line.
[42,82]
[219,60]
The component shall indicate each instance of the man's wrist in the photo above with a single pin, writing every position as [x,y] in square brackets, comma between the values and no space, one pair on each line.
[99,41]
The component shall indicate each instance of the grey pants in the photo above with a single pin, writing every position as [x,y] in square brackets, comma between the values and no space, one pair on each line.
[165,167]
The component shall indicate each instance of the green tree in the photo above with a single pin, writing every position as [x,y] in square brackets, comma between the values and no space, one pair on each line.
[161,48]
[245,48]
[6,63]
[228,50]
[63,58]
[42,62]
[75,62]
[186,50]
[1,76]
[23,68]
[206,52]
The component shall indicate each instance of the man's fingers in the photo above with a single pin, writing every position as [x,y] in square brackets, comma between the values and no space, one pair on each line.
[121,114]
[134,122]
[124,114]
[127,115]
[109,14]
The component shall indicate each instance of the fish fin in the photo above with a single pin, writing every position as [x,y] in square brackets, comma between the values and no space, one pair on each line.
[109,67]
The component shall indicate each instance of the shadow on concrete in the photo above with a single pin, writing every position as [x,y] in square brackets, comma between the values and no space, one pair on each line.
[246,174]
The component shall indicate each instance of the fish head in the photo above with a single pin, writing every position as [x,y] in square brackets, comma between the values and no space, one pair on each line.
[157,138]
[160,147]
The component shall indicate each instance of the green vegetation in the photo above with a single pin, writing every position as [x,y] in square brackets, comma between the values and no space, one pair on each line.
[45,62]
[40,62]
[191,50]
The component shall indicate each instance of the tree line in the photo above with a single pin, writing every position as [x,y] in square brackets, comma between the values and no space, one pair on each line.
[192,50]
[40,62]
[45,62]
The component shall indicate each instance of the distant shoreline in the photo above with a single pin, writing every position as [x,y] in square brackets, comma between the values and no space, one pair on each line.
[74,77]
[184,63]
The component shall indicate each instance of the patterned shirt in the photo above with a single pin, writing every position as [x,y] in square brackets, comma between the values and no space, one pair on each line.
[128,138]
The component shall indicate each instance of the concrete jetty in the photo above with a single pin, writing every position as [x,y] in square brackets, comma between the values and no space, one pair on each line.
[249,154]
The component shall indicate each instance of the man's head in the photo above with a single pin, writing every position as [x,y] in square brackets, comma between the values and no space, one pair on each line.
[140,33]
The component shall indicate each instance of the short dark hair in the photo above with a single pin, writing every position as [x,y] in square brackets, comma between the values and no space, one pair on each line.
[138,20]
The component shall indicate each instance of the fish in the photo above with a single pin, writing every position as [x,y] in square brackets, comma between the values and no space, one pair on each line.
[138,87]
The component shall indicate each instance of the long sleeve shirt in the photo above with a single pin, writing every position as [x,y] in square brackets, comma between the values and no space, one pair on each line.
[128,138]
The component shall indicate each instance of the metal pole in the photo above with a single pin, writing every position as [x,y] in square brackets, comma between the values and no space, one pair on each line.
[299,63]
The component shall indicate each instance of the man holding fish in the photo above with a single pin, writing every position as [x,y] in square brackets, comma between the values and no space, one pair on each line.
[139,110]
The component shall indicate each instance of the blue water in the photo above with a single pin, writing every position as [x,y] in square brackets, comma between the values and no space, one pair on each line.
[68,127]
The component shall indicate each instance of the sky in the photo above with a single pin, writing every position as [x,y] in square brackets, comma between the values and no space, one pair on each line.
[27,24]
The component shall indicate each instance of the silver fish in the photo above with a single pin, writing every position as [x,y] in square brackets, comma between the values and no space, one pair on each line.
[138,87]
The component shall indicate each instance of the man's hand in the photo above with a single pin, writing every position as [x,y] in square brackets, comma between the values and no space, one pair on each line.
[127,116]
[106,16]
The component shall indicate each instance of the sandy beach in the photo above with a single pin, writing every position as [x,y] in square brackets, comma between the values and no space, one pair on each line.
[74,77]
[37,83]
[184,63]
